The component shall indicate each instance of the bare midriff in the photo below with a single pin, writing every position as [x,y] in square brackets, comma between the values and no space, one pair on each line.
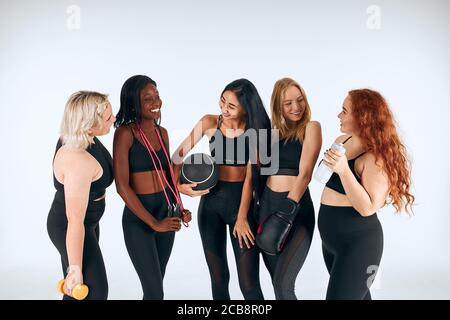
[232,173]
[334,198]
[147,182]
[281,183]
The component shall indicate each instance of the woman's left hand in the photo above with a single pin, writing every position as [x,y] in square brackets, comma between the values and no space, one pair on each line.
[186,216]
[243,233]
[336,161]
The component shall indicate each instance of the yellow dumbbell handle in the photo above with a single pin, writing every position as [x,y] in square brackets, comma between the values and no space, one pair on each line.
[79,292]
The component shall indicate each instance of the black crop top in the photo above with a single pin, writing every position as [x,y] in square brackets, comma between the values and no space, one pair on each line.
[289,157]
[218,144]
[335,182]
[102,155]
[139,159]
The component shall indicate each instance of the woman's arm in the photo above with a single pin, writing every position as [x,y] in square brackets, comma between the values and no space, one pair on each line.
[310,152]
[123,139]
[241,228]
[78,172]
[199,130]
[371,194]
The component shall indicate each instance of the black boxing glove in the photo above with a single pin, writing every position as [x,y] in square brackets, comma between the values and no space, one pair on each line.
[273,231]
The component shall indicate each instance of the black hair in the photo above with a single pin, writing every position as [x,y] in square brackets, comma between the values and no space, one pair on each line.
[130,101]
[255,114]
[255,118]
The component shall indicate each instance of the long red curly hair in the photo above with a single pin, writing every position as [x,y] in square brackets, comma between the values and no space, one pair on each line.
[378,133]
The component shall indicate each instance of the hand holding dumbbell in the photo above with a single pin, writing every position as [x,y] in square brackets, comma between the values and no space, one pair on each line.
[79,292]
[73,285]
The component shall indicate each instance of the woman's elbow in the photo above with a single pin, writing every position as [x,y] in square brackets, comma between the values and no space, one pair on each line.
[75,219]
[305,177]
[121,188]
[366,212]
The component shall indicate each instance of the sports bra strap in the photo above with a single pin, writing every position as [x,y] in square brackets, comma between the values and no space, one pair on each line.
[219,122]
[346,140]
[359,155]
[131,130]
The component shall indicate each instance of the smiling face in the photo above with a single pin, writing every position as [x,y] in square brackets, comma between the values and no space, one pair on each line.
[104,122]
[293,104]
[150,102]
[230,106]
[346,118]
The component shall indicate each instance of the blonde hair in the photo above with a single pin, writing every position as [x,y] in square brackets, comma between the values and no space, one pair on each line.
[278,122]
[82,112]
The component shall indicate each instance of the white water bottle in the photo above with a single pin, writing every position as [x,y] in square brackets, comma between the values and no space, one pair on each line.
[323,173]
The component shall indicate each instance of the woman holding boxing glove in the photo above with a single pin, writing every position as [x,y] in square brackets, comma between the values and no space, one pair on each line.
[82,170]
[144,179]
[229,202]
[286,214]
[373,171]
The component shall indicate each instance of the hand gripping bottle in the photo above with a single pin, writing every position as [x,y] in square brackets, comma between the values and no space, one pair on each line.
[323,173]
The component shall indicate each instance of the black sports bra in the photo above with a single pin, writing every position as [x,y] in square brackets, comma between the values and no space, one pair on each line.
[102,155]
[219,145]
[335,182]
[289,157]
[139,159]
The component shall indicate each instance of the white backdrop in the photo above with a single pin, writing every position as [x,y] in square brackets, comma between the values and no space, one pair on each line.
[49,49]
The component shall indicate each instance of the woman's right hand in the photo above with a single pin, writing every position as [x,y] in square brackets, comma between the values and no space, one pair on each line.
[73,278]
[167,224]
[186,188]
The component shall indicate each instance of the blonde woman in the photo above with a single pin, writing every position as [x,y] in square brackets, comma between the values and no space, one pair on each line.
[82,170]
[286,214]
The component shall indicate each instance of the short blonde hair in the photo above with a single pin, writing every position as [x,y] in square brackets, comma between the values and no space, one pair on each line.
[278,122]
[82,112]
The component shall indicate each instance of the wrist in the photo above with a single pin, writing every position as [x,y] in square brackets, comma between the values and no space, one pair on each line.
[288,206]
[292,198]
[345,171]
[153,223]
[73,268]
[241,217]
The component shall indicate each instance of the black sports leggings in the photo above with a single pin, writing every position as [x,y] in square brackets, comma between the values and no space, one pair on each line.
[217,209]
[94,273]
[149,250]
[284,268]
[352,246]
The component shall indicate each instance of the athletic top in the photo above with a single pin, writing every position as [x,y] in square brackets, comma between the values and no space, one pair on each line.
[335,182]
[289,157]
[219,145]
[101,154]
[139,159]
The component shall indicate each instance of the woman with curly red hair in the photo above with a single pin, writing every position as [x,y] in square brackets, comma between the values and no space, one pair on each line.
[374,171]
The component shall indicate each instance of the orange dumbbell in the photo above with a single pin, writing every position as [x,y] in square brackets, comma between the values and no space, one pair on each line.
[79,292]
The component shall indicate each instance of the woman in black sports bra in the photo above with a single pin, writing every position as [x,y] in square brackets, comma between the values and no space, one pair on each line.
[82,170]
[299,144]
[230,201]
[142,170]
[377,173]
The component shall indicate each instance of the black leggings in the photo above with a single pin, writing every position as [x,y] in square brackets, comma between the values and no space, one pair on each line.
[284,268]
[149,250]
[94,273]
[217,209]
[352,246]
